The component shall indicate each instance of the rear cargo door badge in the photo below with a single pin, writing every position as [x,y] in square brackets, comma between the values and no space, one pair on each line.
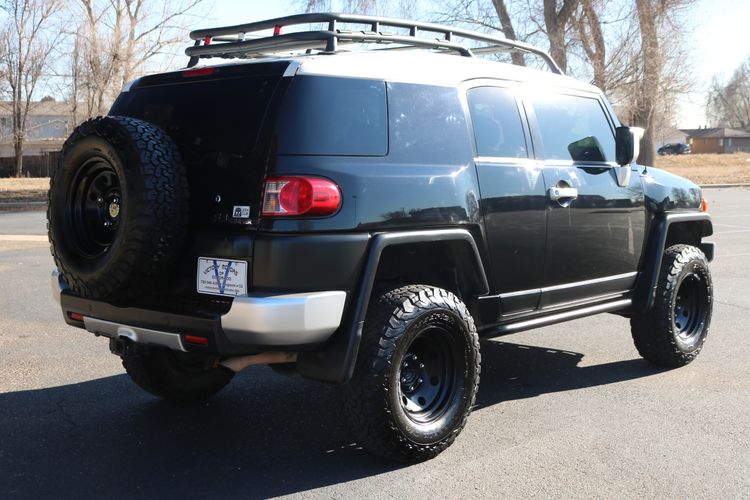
[241,212]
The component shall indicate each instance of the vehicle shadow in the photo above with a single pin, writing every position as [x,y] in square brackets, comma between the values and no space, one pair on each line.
[265,435]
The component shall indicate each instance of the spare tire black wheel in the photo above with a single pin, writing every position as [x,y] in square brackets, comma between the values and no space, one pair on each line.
[118,207]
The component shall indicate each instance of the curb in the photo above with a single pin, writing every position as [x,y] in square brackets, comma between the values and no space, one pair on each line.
[739,184]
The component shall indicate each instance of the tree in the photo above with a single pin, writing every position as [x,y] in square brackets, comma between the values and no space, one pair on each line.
[26,48]
[115,40]
[556,22]
[728,104]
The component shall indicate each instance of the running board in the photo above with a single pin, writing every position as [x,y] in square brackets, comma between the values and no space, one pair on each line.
[557,318]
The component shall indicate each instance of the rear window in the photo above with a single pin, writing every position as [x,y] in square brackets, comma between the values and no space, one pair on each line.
[206,118]
[333,116]
[498,130]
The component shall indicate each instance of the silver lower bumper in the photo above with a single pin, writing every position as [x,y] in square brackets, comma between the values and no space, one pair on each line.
[292,319]
[272,320]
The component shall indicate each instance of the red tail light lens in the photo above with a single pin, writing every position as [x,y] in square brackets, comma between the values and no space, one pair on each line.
[295,196]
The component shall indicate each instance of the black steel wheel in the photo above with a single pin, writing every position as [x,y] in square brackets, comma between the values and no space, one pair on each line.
[673,332]
[417,374]
[93,215]
[118,207]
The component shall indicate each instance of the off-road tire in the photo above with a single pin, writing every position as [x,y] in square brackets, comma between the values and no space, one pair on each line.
[672,333]
[174,376]
[397,321]
[139,162]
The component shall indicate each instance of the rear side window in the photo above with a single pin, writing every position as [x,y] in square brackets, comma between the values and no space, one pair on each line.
[333,116]
[498,130]
[574,128]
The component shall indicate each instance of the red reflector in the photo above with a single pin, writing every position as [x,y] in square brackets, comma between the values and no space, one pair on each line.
[704,205]
[295,196]
[207,40]
[194,339]
[75,316]
[198,72]
[276,30]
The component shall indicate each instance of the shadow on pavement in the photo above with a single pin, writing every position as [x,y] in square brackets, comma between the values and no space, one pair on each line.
[265,435]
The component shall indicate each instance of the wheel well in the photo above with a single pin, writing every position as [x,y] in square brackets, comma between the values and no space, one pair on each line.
[450,265]
[688,233]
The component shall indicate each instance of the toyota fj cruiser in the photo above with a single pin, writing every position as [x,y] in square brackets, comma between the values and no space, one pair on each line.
[364,216]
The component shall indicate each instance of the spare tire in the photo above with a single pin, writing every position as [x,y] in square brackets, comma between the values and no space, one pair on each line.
[118,207]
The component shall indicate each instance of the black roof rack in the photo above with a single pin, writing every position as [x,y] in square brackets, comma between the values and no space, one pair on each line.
[241,41]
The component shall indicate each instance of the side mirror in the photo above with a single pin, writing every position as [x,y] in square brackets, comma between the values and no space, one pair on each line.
[627,142]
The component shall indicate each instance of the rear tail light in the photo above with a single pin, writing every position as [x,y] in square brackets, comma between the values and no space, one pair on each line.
[295,196]
[189,73]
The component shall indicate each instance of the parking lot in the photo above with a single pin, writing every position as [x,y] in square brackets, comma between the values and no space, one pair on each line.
[565,411]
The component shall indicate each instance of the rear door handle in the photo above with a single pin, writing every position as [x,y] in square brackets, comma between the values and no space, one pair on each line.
[562,193]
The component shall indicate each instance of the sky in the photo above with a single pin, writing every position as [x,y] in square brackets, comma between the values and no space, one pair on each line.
[720,41]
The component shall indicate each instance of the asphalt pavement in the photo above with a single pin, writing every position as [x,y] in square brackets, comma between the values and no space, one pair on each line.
[563,411]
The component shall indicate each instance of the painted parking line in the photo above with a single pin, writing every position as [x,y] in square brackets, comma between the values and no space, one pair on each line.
[24,237]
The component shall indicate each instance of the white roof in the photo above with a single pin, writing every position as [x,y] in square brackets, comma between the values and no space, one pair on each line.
[413,66]
[425,67]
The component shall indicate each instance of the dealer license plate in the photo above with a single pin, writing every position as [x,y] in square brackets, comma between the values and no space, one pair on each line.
[221,276]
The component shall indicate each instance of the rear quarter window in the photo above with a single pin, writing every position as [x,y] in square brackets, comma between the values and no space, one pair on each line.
[333,116]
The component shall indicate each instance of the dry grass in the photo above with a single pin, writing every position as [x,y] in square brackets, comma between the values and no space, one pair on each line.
[709,169]
[24,189]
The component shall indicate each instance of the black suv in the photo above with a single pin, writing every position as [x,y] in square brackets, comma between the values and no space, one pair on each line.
[364,217]
[677,148]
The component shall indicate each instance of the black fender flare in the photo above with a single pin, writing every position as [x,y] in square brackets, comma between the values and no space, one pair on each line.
[654,252]
[335,363]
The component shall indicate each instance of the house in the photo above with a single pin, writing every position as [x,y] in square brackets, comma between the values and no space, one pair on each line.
[718,140]
[48,125]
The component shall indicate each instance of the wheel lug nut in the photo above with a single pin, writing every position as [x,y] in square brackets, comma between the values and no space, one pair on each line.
[419,380]
[403,379]
[107,224]
[100,200]
[421,365]
[411,387]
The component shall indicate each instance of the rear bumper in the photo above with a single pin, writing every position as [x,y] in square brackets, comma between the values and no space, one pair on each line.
[253,323]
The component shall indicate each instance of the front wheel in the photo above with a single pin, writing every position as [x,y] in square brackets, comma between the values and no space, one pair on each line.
[417,374]
[673,332]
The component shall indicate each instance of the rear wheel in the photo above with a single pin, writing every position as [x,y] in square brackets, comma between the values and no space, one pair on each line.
[417,374]
[674,331]
[174,376]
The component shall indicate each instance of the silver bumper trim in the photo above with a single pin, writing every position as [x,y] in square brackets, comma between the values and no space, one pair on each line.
[293,319]
[134,333]
[57,285]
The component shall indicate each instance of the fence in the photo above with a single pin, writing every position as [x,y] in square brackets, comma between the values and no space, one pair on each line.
[33,166]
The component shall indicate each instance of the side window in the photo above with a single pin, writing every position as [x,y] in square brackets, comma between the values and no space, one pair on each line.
[428,124]
[574,128]
[498,130]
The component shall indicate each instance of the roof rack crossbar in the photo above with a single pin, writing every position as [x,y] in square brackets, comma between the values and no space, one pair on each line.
[239,41]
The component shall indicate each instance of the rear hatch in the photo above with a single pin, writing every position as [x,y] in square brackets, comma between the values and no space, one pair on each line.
[215,116]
